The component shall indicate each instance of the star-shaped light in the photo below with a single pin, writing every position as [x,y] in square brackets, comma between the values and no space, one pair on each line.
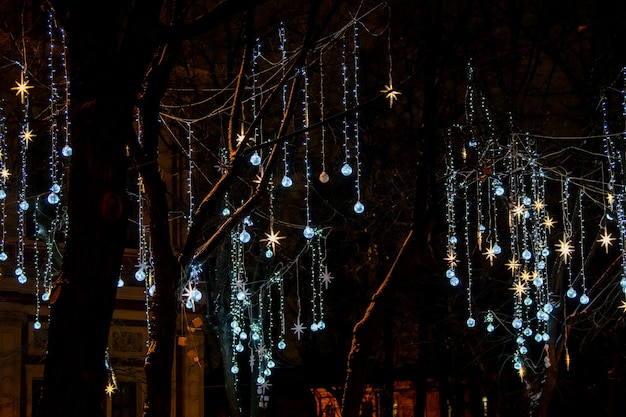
[239,139]
[605,240]
[109,389]
[273,238]
[451,258]
[513,265]
[565,249]
[490,254]
[390,93]
[539,205]
[548,222]
[5,174]
[520,288]
[609,199]
[525,275]
[27,135]
[22,88]
[623,306]
[326,277]
[298,328]
[519,210]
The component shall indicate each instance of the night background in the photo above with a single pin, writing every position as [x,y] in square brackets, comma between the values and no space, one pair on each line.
[320,208]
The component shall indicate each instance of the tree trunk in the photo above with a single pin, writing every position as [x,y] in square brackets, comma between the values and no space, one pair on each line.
[84,295]
[357,368]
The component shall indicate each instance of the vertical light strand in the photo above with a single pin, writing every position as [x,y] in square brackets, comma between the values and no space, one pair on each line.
[314,271]
[358,206]
[25,136]
[66,150]
[324,178]
[55,188]
[4,176]
[142,265]
[346,169]
[190,169]
[324,279]
[451,241]
[286,181]
[471,322]
[38,287]
[584,298]
[256,158]
[565,247]
[308,231]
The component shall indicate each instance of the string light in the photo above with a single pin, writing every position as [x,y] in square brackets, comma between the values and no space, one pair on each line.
[286,181]
[358,206]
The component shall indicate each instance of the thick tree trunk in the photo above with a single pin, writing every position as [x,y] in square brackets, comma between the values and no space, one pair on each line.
[84,296]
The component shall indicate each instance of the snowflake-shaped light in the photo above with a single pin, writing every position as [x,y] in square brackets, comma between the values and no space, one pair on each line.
[326,277]
[298,328]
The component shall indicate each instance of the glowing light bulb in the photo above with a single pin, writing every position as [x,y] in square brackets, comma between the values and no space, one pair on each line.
[3,256]
[517,323]
[286,182]
[454,281]
[140,275]
[239,347]
[359,207]
[497,249]
[45,297]
[120,283]
[244,236]
[308,232]
[197,295]
[37,325]
[255,159]
[66,151]
[490,328]
[225,212]
[22,279]
[321,325]
[571,293]
[24,205]
[324,178]
[234,369]
[282,345]
[346,170]
[584,299]
[471,322]
[3,194]
[53,198]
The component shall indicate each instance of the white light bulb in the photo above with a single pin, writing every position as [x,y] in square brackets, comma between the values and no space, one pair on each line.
[359,207]
[255,159]
[346,170]
[286,182]
[308,232]
[66,151]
